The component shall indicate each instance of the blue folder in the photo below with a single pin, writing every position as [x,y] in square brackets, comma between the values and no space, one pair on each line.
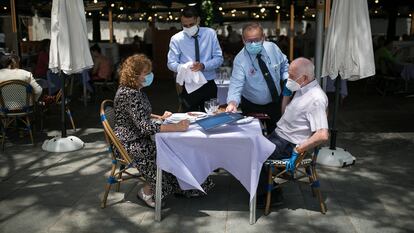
[212,122]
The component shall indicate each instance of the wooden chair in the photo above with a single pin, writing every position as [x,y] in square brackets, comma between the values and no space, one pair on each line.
[304,167]
[48,101]
[120,159]
[16,102]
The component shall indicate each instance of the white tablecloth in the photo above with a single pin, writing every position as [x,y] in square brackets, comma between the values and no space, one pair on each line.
[192,155]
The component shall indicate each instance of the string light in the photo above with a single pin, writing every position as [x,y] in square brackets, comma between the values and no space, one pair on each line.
[375,12]
[89,13]
[262,10]
[278,7]
[377,1]
[112,5]
[121,8]
[95,1]
[220,8]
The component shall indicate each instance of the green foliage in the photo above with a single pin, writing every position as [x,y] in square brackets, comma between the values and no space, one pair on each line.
[207,8]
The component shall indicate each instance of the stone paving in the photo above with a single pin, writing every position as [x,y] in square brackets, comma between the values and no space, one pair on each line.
[61,192]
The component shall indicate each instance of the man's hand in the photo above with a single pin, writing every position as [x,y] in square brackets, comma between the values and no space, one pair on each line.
[197,66]
[182,125]
[290,165]
[231,107]
[165,115]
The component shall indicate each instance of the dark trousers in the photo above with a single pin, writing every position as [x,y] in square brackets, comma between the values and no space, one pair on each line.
[195,100]
[283,150]
[271,109]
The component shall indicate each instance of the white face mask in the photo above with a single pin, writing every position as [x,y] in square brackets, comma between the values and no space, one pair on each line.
[292,85]
[191,31]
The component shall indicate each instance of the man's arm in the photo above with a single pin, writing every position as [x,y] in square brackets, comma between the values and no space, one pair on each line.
[285,101]
[173,56]
[236,86]
[284,66]
[216,55]
[319,137]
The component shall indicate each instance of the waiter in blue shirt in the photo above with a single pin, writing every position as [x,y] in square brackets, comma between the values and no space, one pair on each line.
[199,45]
[255,82]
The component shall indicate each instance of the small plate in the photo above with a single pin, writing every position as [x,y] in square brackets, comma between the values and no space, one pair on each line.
[177,117]
[245,120]
[197,115]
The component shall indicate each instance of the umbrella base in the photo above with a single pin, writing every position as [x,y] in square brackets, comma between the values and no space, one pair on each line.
[59,144]
[335,158]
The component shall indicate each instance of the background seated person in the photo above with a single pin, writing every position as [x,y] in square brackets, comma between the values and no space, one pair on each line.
[134,127]
[42,63]
[304,123]
[385,60]
[102,66]
[10,71]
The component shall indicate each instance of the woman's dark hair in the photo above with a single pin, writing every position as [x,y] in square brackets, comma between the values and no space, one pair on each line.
[9,60]
[190,12]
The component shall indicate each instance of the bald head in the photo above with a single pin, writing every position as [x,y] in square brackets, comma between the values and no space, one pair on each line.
[302,66]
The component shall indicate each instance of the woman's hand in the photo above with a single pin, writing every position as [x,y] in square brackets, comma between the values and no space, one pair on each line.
[182,125]
[165,115]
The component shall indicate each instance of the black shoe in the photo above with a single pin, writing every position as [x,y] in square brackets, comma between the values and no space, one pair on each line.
[276,199]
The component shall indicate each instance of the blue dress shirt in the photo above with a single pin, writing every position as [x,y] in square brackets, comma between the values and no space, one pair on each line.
[182,50]
[247,79]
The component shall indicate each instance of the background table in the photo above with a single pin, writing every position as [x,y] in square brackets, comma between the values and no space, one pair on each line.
[192,155]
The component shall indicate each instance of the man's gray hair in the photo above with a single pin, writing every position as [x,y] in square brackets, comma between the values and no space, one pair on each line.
[251,26]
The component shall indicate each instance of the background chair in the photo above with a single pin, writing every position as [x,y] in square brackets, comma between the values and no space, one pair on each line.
[16,102]
[304,167]
[46,102]
[120,159]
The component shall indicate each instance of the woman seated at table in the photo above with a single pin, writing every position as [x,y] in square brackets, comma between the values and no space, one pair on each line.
[134,127]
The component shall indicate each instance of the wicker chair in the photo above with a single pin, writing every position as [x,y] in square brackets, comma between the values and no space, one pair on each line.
[16,102]
[123,160]
[48,101]
[304,167]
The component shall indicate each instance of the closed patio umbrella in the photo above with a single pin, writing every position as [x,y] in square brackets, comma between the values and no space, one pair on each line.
[348,55]
[69,53]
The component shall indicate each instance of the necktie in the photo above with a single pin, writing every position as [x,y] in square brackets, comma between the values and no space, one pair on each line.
[197,48]
[268,77]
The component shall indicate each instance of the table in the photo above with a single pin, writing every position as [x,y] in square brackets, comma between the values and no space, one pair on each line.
[192,155]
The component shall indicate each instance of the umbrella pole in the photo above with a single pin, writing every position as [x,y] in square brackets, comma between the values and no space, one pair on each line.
[334,131]
[63,103]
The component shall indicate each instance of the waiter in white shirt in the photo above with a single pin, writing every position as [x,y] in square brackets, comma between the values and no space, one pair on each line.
[199,45]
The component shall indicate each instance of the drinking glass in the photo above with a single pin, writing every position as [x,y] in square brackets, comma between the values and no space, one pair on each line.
[207,107]
[214,105]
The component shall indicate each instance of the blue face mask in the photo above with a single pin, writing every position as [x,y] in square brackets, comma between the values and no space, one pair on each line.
[254,48]
[148,79]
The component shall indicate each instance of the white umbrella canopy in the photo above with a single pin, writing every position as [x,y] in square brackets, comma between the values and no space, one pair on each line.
[348,47]
[348,53]
[69,53]
[69,46]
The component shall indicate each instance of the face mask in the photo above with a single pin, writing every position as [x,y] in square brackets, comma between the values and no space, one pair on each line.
[191,31]
[254,48]
[148,79]
[292,85]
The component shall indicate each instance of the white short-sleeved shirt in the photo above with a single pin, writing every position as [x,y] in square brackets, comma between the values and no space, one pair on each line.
[304,115]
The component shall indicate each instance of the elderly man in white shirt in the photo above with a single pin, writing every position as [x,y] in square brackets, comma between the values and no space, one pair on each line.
[304,123]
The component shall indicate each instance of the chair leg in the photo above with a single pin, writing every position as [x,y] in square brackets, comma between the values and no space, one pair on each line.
[318,191]
[310,176]
[118,186]
[269,191]
[29,127]
[3,132]
[71,118]
[108,187]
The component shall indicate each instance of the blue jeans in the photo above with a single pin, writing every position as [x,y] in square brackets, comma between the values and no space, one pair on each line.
[283,150]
